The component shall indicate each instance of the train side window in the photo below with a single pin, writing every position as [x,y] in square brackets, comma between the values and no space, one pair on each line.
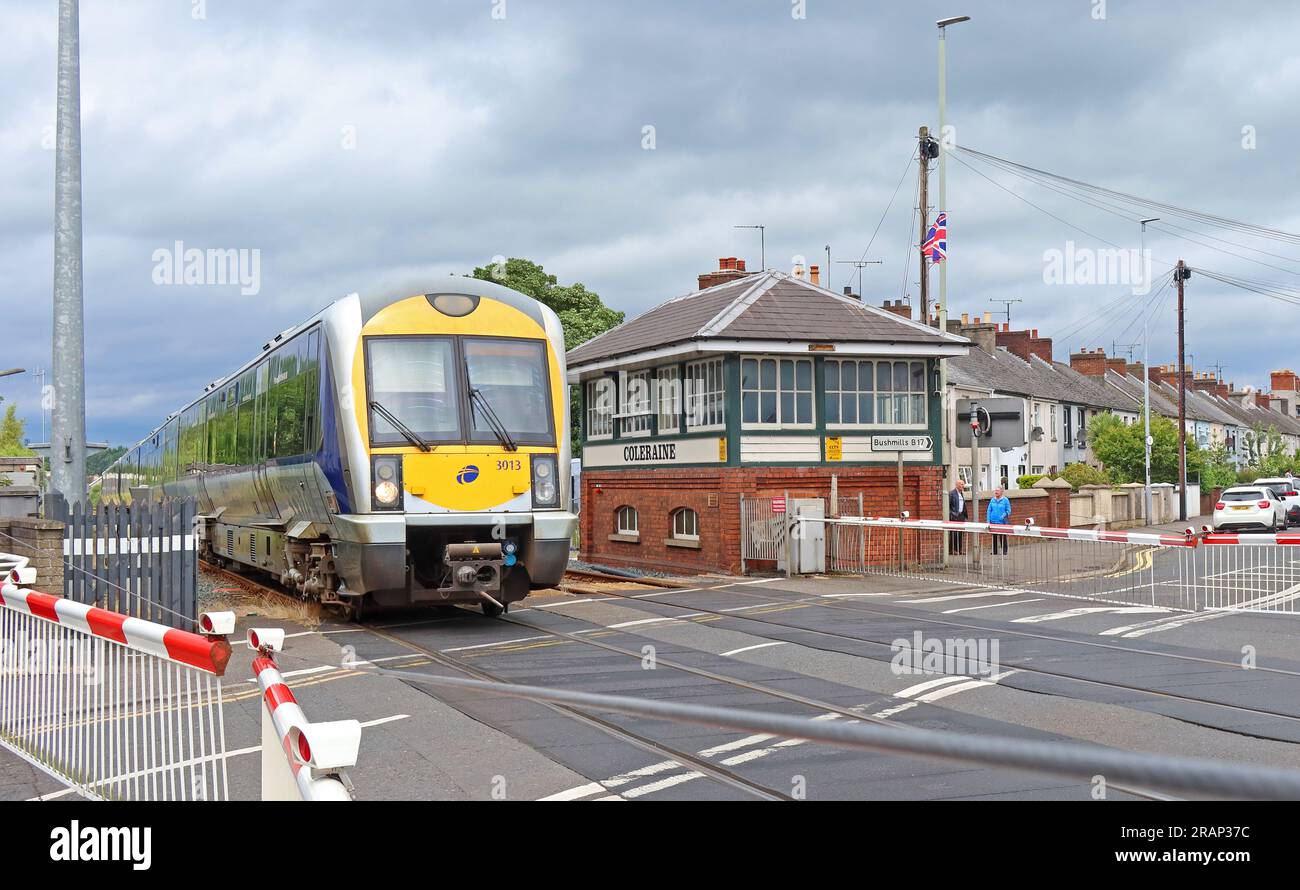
[311,393]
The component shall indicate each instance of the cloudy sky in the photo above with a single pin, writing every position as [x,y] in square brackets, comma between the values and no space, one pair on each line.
[386,144]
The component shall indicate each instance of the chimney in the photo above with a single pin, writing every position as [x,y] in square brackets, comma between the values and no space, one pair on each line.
[798,270]
[848,292]
[1015,342]
[1261,400]
[1223,390]
[1284,381]
[898,307]
[1162,374]
[965,319]
[1118,365]
[1040,346]
[1135,370]
[1093,364]
[729,269]
[815,275]
[982,333]
[1204,383]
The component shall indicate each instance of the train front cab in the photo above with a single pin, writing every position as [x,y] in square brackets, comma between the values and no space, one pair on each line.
[462,407]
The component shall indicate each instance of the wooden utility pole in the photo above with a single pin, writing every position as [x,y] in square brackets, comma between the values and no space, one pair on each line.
[923,172]
[1181,274]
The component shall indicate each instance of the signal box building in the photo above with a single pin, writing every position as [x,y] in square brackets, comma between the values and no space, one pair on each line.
[758,385]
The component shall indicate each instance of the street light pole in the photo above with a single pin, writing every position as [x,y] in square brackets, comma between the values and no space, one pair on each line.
[1146,376]
[68,424]
[943,24]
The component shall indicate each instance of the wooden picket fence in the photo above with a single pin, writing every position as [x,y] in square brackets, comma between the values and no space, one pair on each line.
[139,559]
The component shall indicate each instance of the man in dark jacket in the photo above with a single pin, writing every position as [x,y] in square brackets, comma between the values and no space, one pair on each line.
[957,513]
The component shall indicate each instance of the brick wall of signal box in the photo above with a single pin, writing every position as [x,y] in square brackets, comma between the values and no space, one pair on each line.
[715,494]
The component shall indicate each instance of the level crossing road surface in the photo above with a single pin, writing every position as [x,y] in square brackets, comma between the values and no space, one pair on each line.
[1137,678]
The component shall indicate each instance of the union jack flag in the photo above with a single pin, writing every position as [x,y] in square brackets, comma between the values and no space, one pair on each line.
[936,242]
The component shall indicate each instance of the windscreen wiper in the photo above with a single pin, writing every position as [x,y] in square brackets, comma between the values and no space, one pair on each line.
[411,436]
[493,421]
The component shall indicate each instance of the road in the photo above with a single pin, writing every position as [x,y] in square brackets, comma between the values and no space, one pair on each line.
[1132,677]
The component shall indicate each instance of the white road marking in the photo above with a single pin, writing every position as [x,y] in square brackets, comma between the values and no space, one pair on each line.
[946,691]
[966,596]
[575,793]
[738,743]
[669,782]
[992,606]
[928,684]
[847,595]
[497,643]
[752,648]
[638,623]
[1088,610]
[755,606]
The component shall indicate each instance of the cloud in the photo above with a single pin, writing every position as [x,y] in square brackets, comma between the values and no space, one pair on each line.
[364,147]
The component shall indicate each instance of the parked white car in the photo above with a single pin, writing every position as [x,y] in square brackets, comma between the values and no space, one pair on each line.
[1249,507]
[1286,490]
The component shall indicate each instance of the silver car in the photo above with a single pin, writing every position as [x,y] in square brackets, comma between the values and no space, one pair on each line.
[1249,507]
[1286,490]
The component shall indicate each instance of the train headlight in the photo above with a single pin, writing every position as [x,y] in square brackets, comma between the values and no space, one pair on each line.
[386,473]
[545,493]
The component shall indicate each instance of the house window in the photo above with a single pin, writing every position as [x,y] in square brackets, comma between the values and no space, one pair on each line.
[626,521]
[635,416]
[1069,428]
[1082,429]
[668,395]
[776,391]
[965,474]
[705,402]
[862,393]
[686,525]
[600,408]
[1052,411]
[1038,469]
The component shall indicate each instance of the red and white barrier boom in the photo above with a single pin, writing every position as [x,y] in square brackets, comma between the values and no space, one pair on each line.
[114,707]
[301,760]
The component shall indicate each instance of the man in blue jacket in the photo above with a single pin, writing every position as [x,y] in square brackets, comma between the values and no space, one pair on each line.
[999,512]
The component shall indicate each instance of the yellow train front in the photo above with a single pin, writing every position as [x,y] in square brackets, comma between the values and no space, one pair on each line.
[454,411]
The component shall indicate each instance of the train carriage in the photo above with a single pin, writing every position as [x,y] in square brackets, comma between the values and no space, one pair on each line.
[387,451]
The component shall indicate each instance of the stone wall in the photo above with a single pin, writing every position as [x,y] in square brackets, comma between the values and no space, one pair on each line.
[41,541]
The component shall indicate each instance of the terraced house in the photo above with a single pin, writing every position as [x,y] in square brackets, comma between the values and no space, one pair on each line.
[758,385]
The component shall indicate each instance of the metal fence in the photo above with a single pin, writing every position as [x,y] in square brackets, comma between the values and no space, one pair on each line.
[1249,573]
[1128,568]
[115,707]
[138,559]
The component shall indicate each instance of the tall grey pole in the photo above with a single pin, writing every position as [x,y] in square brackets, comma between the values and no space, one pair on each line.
[68,417]
[1146,379]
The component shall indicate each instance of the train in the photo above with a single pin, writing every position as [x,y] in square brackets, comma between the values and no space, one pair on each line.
[388,451]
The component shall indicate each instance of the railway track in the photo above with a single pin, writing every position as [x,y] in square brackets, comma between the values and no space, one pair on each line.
[1022,667]
[651,746]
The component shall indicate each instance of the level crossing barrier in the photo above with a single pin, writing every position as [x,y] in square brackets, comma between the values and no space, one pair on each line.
[115,707]
[1191,571]
[301,760]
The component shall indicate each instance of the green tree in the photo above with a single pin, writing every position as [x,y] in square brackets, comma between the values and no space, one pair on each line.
[1217,469]
[581,311]
[1119,446]
[13,434]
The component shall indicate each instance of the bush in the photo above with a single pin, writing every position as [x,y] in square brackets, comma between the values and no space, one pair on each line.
[1028,480]
[1081,474]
